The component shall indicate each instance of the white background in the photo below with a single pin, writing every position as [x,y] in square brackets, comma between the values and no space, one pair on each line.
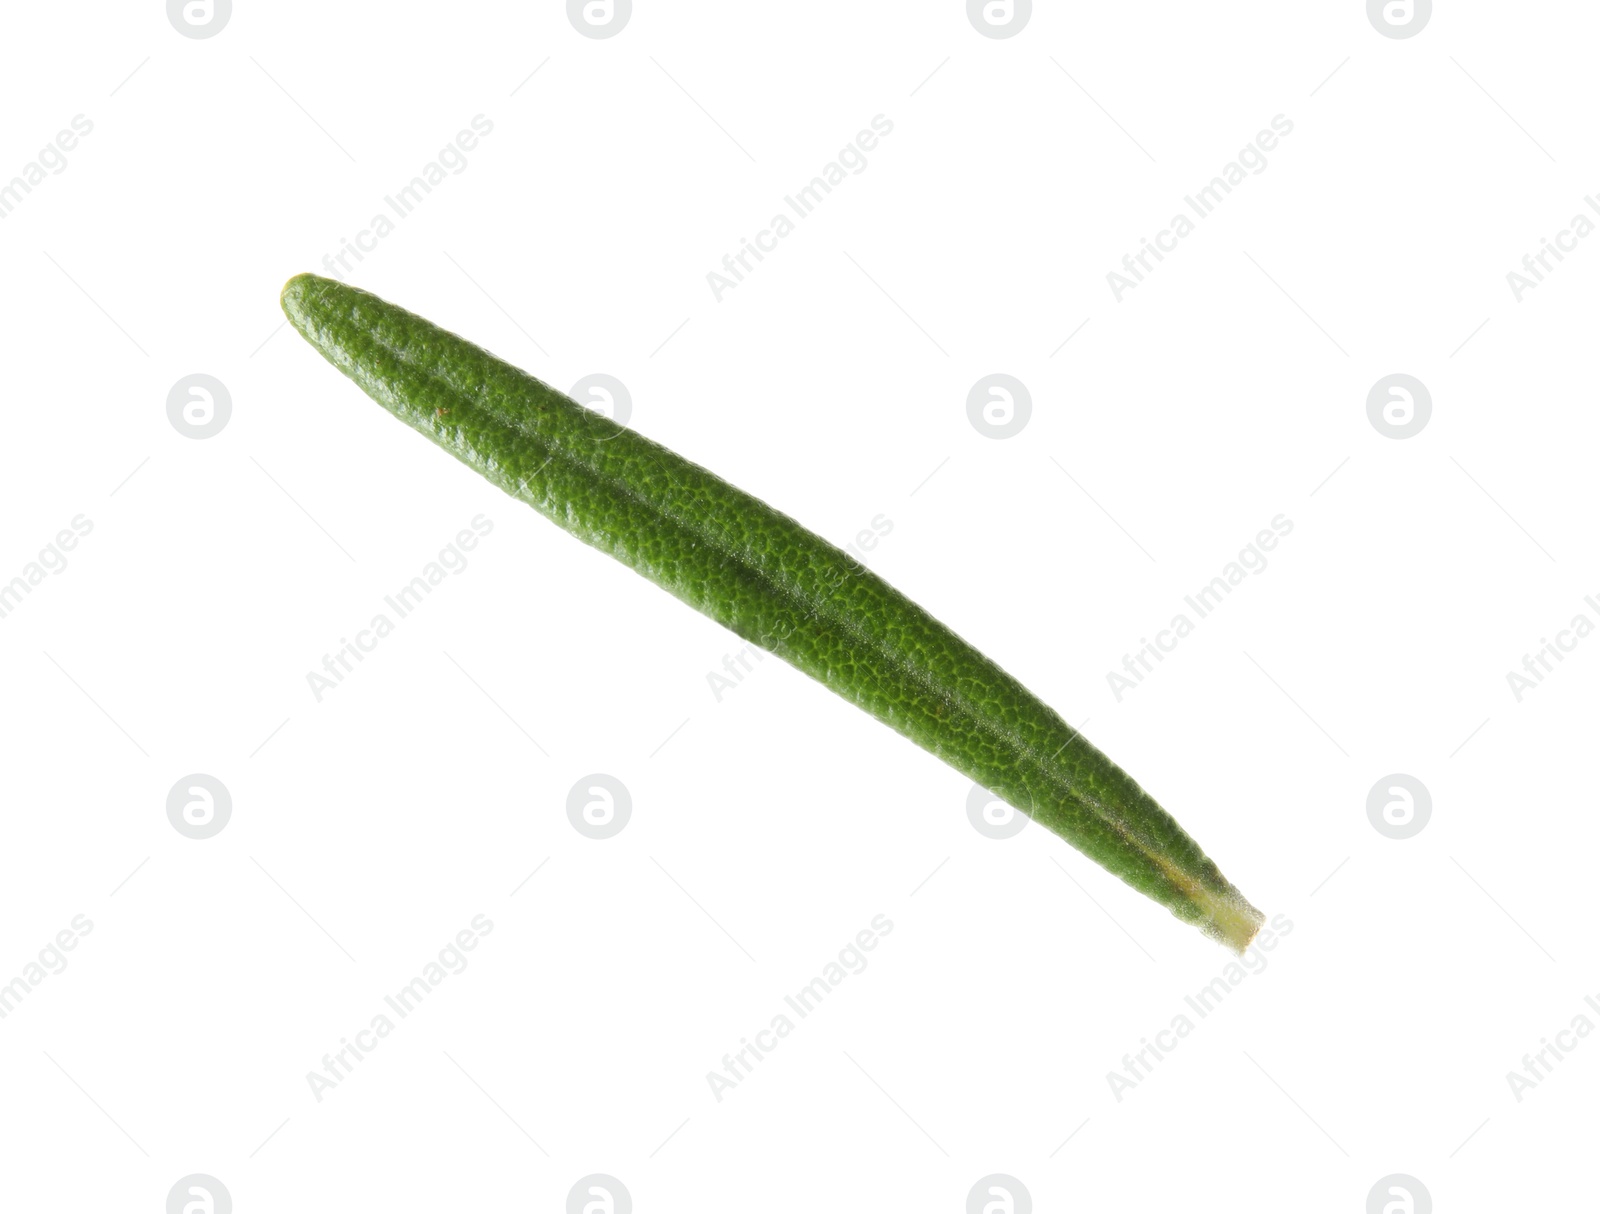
[770,827]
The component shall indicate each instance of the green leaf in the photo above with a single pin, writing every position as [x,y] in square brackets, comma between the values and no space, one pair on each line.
[771,581]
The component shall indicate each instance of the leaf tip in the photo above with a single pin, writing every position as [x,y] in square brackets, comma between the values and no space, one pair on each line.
[1232,920]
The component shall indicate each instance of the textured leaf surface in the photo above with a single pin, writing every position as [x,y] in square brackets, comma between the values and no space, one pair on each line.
[771,581]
